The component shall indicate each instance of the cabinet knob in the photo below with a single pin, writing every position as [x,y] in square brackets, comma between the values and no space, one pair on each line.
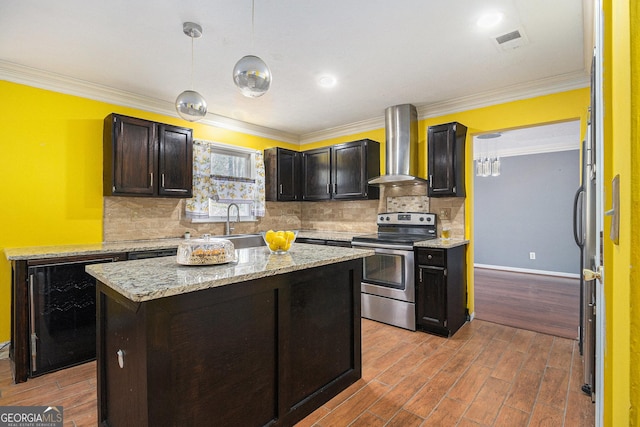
[120,354]
[429,256]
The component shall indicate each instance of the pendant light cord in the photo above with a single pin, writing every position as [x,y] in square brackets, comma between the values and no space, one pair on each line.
[192,61]
[253,14]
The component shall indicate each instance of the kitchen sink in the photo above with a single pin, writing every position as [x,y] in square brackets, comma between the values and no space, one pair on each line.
[241,241]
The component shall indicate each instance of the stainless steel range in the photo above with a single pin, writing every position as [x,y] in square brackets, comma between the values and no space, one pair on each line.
[388,278]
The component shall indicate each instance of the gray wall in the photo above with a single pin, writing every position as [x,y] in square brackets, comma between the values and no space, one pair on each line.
[528,208]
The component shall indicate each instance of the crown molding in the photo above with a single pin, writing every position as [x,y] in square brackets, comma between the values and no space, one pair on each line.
[538,149]
[71,86]
[562,83]
[59,83]
[547,86]
[348,129]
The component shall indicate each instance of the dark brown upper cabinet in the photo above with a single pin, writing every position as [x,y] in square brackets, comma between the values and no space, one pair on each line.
[445,145]
[341,172]
[316,172]
[283,174]
[146,159]
[354,163]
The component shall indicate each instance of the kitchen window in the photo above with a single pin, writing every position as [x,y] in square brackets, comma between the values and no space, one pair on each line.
[224,174]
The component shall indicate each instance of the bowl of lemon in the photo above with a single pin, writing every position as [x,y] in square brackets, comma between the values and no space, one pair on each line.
[279,242]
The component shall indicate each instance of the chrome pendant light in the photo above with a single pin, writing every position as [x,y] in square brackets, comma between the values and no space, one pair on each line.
[251,74]
[489,164]
[190,105]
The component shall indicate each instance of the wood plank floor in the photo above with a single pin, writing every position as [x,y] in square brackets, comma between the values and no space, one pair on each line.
[485,375]
[546,304]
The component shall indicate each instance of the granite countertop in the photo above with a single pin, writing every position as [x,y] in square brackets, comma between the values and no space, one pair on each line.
[441,243]
[341,236]
[41,252]
[148,279]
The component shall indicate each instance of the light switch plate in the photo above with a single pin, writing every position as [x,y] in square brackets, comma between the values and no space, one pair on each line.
[445,213]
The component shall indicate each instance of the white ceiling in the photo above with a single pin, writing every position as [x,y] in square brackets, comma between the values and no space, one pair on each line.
[426,52]
[530,140]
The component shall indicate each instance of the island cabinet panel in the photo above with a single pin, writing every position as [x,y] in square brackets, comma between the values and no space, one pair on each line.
[321,349]
[264,352]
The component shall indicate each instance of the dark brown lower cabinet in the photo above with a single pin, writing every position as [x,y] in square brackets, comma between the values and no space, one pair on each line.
[264,352]
[441,290]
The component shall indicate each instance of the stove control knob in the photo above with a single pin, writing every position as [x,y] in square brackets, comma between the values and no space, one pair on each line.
[388,219]
[381,218]
[421,218]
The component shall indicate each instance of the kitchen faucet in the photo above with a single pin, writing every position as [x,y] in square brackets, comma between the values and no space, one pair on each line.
[228,228]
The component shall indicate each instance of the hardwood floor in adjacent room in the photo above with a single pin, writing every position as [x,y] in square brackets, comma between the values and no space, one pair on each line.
[485,375]
[546,304]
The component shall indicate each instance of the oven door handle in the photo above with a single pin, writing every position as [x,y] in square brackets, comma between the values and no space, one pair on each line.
[382,246]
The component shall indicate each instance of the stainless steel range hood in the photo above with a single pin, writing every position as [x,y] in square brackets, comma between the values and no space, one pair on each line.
[401,129]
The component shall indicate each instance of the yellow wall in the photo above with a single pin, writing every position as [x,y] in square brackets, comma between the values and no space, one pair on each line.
[621,359]
[51,170]
[635,215]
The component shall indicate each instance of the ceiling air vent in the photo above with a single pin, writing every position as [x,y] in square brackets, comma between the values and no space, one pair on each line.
[511,40]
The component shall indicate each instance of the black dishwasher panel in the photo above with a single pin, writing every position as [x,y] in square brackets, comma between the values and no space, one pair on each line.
[155,253]
[62,315]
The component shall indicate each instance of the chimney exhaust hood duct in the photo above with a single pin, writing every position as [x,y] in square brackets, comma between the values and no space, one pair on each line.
[401,129]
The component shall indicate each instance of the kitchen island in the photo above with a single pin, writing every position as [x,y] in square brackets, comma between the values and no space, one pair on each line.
[262,341]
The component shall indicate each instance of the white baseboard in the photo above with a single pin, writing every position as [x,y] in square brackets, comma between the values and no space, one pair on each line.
[527,270]
[4,350]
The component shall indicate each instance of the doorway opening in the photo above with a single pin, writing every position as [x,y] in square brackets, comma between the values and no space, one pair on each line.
[527,264]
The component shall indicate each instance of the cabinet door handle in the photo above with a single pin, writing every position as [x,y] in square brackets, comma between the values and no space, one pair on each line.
[431,181]
[162,177]
[335,188]
[120,354]
[420,270]
[280,188]
[328,188]
[32,315]
[151,179]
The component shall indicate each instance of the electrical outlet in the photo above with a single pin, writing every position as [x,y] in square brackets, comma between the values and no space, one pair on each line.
[532,255]
[445,213]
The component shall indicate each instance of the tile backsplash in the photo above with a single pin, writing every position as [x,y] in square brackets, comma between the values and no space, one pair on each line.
[137,218]
[407,204]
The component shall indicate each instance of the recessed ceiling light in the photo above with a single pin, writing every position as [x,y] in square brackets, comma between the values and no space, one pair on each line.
[327,81]
[490,19]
